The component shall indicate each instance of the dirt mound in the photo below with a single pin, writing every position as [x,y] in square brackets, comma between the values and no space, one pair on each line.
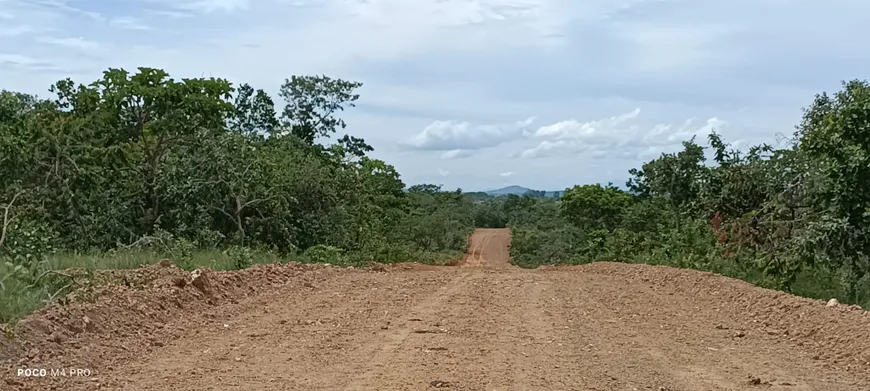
[603,326]
[837,335]
[407,266]
[126,313]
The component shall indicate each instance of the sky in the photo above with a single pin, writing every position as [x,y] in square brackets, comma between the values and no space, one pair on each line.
[480,94]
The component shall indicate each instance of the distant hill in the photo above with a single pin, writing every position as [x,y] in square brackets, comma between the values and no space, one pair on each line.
[519,190]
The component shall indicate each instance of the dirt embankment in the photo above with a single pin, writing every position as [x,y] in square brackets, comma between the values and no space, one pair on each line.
[482,326]
[132,312]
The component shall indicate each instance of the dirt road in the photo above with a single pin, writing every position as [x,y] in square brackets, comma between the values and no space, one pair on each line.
[486,325]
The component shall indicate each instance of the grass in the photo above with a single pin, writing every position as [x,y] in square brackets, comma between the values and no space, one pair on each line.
[18,297]
[131,259]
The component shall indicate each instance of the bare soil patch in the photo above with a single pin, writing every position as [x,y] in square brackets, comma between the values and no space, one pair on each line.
[484,325]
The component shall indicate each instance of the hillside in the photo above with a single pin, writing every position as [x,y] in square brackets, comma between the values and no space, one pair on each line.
[513,189]
[520,190]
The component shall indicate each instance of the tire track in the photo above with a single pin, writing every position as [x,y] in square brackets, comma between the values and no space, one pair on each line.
[383,352]
[489,248]
[534,351]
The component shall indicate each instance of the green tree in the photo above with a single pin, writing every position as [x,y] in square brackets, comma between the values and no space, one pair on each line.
[253,112]
[312,102]
[674,176]
[835,135]
[595,206]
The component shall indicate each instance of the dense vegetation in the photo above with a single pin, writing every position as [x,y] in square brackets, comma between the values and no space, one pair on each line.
[795,218]
[136,166]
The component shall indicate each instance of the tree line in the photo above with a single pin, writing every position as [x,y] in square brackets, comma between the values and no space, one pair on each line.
[795,218]
[139,160]
[144,162]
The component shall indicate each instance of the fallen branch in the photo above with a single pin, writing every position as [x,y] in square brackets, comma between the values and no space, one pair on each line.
[6,219]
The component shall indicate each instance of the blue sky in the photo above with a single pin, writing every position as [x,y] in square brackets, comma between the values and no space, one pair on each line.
[480,94]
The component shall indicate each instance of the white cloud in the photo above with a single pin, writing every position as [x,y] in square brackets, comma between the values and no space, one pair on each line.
[477,66]
[14,31]
[209,6]
[571,129]
[506,174]
[616,137]
[129,23]
[457,154]
[545,149]
[76,43]
[165,13]
[453,135]
[17,59]
[64,7]
[443,172]
[542,21]
[677,47]
[686,131]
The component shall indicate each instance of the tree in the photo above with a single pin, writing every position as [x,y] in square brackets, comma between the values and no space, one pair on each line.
[835,136]
[594,206]
[674,176]
[139,159]
[352,147]
[142,117]
[312,102]
[238,174]
[253,112]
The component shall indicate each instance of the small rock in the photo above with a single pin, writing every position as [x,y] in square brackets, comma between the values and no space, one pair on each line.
[14,383]
[199,279]
[832,303]
[756,381]
[164,263]
[179,282]
[439,384]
